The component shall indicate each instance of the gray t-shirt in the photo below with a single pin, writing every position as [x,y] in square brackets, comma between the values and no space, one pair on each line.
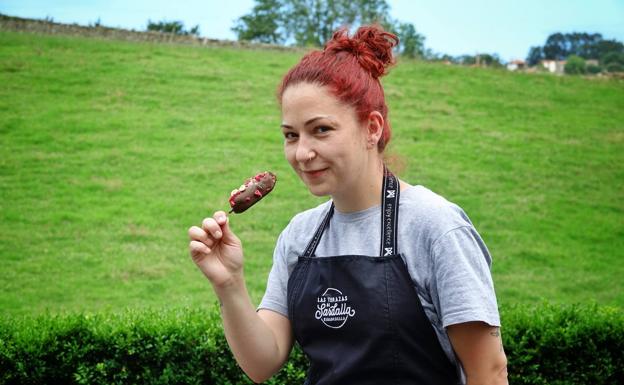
[446,258]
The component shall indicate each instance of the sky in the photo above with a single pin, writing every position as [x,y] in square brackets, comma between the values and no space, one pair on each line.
[505,27]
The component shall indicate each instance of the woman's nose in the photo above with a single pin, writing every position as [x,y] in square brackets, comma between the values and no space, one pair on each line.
[304,152]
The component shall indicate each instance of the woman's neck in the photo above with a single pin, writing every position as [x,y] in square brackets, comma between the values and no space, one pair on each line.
[364,193]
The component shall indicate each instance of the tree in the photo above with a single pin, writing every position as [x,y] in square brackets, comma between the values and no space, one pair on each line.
[535,56]
[482,60]
[588,46]
[575,65]
[430,55]
[308,22]
[607,46]
[411,43]
[447,58]
[583,44]
[313,22]
[593,69]
[263,24]
[613,61]
[490,60]
[555,47]
[174,27]
[466,60]
[194,31]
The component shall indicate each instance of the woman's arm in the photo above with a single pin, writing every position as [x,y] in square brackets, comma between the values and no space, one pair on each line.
[260,341]
[479,347]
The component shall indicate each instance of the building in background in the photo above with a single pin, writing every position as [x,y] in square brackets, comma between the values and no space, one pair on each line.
[553,66]
[516,65]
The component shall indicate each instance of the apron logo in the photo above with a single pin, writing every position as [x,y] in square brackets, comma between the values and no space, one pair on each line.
[388,251]
[391,194]
[332,308]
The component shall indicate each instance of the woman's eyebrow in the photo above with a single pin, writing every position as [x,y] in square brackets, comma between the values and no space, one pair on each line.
[310,121]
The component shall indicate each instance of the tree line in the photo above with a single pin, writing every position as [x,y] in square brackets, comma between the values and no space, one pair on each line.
[576,48]
[308,23]
[311,23]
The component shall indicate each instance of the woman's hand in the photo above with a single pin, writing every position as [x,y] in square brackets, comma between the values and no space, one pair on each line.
[216,250]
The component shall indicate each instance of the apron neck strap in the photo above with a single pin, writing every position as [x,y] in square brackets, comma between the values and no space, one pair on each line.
[311,248]
[389,214]
[389,218]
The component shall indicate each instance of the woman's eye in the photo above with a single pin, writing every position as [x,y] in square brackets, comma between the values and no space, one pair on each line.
[323,129]
[290,135]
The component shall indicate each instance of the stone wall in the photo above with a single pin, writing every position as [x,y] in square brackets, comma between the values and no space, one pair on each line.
[17,24]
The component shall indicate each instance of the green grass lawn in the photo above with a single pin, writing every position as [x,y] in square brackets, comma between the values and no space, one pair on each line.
[111,150]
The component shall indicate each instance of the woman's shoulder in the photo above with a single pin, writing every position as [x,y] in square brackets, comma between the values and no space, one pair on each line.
[421,197]
[430,210]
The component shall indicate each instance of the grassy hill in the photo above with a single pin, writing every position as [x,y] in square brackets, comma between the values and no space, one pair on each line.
[111,150]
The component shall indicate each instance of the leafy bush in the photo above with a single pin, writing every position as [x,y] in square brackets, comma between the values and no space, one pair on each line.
[151,348]
[615,67]
[594,69]
[174,27]
[613,61]
[544,345]
[575,65]
[564,345]
[180,346]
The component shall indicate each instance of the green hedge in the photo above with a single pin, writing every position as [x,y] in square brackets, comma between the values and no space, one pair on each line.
[545,344]
[559,345]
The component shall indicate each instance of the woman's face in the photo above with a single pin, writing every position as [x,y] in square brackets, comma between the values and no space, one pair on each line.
[324,142]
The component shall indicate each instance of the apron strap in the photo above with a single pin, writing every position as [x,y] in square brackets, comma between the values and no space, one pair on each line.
[311,248]
[389,218]
[390,214]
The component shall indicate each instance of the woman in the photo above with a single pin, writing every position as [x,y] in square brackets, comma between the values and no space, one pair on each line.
[372,297]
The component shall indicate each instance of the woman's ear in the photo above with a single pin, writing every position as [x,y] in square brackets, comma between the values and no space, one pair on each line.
[374,129]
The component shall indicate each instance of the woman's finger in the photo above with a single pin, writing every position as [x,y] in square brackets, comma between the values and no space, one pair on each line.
[210,226]
[197,234]
[198,248]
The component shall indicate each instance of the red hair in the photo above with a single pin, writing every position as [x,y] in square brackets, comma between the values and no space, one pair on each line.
[351,68]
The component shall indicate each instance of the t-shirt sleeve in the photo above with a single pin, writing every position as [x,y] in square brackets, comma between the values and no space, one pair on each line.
[463,282]
[275,295]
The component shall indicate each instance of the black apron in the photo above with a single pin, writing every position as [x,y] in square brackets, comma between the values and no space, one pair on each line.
[358,318]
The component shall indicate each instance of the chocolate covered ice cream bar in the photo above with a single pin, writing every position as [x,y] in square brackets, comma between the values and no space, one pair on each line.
[252,191]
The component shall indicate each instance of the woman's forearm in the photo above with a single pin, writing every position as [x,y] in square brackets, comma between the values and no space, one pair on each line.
[252,341]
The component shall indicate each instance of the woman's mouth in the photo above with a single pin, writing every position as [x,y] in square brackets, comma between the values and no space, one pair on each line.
[313,174]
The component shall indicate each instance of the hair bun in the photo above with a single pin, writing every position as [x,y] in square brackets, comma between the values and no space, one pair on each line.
[371,45]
